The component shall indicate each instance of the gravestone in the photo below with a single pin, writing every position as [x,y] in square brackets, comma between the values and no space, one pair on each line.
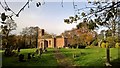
[41,51]
[11,48]
[21,58]
[74,55]
[29,55]
[7,52]
[37,51]
[45,50]
[33,55]
[18,49]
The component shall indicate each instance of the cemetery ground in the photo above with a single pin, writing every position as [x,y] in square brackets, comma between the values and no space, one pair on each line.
[66,57]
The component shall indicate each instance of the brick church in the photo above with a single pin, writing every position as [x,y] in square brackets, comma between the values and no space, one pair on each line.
[51,41]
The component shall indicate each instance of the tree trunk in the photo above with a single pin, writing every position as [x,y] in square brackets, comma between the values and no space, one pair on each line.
[108,54]
[113,28]
[119,38]
[37,37]
[8,52]
[30,42]
[24,42]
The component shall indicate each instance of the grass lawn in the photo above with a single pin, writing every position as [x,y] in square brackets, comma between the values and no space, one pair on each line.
[47,59]
[89,56]
[85,57]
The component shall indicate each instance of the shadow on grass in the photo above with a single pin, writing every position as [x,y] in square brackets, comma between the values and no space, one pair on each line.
[115,63]
[49,52]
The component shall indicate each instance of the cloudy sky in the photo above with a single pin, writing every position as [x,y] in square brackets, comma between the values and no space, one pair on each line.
[50,16]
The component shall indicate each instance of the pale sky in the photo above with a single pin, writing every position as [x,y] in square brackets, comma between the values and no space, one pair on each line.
[49,16]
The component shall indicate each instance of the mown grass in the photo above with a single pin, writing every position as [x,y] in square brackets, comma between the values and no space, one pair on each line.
[47,59]
[89,56]
[84,57]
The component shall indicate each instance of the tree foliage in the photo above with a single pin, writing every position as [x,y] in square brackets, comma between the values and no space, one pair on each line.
[29,36]
[7,26]
[80,36]
[7,8]
[102,14]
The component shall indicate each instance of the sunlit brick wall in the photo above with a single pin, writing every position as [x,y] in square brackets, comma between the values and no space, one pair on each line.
[59,42]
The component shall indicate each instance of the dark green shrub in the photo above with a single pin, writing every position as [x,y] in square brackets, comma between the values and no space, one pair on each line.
[81,46]
[74,46]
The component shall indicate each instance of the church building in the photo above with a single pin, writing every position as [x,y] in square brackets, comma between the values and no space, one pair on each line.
[51,41]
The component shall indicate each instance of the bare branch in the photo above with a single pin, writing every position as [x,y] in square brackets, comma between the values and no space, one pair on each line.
[22,8]
[108,7]
[2,6]
[9,7]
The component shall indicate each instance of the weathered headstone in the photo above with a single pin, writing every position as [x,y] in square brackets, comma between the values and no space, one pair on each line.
[18,49]
[21,58]
[37,51]
[29,55]
[11,48]
[74,55]
[45,50]
[41,51]
[33,55]
[7,52]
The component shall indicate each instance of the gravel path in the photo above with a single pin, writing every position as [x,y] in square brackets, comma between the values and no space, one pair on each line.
[63,60]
